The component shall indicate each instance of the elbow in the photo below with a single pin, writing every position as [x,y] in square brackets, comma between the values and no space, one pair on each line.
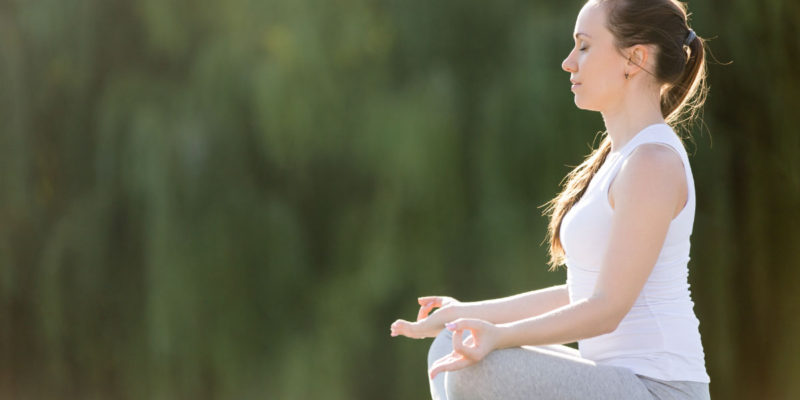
[610,325]
[614,317]
[611,314]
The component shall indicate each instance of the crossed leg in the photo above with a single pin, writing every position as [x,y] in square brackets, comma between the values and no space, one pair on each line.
[532,372]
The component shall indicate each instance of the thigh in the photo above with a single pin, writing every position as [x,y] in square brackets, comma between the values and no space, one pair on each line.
[534,372]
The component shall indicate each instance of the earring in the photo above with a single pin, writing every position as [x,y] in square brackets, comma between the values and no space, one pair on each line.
[626,76]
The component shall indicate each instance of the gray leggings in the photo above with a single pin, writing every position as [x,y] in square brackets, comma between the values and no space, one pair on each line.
[548,372]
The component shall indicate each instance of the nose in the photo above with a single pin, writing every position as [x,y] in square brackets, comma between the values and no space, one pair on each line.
[568,65]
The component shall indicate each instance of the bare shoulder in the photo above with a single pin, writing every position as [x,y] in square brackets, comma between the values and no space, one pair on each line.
[653,173]
[655,159]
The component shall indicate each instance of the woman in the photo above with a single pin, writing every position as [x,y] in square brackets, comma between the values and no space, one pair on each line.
[621,225]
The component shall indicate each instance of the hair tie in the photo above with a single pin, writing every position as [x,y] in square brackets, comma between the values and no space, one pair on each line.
[690,38]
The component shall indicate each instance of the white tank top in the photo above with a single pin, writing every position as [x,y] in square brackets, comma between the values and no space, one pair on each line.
[659,336]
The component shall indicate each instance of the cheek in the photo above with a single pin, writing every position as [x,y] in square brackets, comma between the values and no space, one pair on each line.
[600,83]
[595,95]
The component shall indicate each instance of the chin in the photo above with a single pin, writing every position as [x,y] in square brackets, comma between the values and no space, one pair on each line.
[583,105]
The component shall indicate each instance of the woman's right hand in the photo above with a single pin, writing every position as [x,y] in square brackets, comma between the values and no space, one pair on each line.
[428,325]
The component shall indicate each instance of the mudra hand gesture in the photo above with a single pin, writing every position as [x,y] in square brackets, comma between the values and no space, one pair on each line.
[481,342]
[428,326]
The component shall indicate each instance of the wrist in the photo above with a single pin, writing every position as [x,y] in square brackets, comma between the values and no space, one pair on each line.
[453,312]
[504,335]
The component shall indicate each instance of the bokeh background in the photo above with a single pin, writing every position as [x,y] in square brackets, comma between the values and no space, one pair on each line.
[233,200]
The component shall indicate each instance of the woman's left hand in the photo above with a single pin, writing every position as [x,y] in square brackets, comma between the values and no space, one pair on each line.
[483,340]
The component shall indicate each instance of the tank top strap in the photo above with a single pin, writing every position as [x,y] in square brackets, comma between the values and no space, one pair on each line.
[657,133]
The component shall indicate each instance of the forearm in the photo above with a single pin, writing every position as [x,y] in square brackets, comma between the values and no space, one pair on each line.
[517,307]
[582,319]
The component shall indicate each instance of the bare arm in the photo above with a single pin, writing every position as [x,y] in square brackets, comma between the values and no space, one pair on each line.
[502,310]
[648,197]
[516,307]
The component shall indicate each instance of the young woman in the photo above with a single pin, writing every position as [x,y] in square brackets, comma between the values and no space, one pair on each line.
[621,225]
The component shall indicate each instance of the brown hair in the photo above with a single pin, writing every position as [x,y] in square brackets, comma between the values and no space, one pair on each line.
[662,23]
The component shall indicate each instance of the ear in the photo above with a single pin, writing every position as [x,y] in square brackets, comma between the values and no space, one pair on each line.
[638,56]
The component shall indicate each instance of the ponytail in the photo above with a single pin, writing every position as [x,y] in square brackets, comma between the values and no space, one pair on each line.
[681,101]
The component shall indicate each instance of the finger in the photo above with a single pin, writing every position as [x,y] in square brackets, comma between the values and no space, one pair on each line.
[470,341]
[469,350]
[474,326]
[468,347]
[401,327]
[424,310]
[458,343]
[436,300]
[450,364]
[405,328]
[447,359]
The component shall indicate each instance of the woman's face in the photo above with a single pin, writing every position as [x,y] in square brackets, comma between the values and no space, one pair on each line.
[597,69]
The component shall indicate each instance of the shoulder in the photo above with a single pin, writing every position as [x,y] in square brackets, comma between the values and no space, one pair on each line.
[653,173]
[657,160]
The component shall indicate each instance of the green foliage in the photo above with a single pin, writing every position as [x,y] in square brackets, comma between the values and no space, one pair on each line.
[235,199]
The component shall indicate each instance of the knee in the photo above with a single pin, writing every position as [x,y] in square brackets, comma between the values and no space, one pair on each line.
[482,380]
[441,346]
[463,384]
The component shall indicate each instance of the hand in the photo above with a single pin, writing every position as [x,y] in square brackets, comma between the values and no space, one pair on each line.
[430,302]
[428,326]
[483,340]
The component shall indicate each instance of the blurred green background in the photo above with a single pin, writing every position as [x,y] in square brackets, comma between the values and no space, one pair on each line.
[234,200]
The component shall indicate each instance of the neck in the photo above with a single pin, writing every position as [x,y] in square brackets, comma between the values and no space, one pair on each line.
[638,109]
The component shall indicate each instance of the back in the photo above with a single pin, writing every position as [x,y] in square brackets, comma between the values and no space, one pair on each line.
[659,336]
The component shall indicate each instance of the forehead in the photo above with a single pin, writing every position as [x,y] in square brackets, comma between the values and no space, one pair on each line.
[591,20]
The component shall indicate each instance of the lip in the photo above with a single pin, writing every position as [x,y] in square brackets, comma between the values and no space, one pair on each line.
[574,83]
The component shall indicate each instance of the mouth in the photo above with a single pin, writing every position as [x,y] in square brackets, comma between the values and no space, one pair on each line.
[575,84]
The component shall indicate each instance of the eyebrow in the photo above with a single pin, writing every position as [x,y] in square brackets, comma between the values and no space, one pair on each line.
[581,33]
